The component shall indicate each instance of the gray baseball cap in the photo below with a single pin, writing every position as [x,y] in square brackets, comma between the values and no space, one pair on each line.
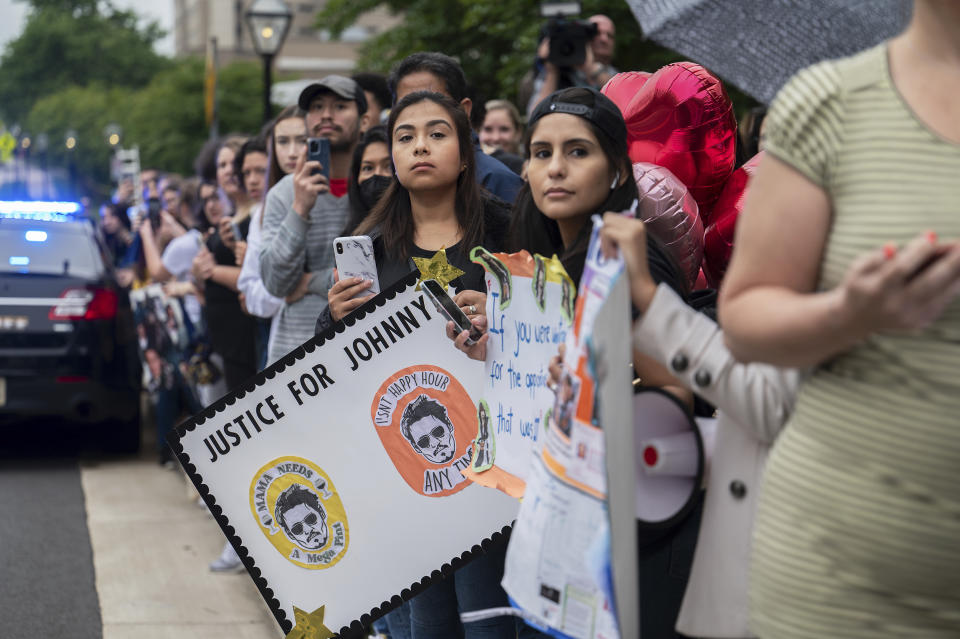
[338,85]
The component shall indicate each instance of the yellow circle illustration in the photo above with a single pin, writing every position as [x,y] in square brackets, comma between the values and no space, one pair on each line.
[299,511]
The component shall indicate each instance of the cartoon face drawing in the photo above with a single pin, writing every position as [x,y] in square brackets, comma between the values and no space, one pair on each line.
[499,271]
[299,513]
[427,427]
[566,301]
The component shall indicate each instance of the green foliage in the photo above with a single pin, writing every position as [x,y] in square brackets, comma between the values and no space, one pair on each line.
[164,119]
[75,43]
[87,111]
[494,41]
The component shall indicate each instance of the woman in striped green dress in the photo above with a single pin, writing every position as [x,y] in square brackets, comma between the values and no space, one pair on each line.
[858,531]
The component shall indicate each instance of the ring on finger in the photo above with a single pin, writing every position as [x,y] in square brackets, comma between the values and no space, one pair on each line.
[473,309]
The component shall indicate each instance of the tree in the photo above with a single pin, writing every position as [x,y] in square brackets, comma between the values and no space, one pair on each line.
[494,41]
[75,43]
[164,119]
[86,111]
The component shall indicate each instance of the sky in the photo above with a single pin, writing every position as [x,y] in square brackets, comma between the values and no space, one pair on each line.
[13,14]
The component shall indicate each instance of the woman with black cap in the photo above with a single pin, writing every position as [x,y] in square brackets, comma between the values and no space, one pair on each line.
[578,167]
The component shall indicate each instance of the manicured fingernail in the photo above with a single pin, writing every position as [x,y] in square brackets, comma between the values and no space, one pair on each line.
[889,250]
[932,237]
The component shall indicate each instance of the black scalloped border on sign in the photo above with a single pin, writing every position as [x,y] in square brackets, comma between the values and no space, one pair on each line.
[357,627]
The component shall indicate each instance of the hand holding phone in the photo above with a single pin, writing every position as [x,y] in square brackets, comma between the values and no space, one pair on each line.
[449,309]
[354,258]
[318,150]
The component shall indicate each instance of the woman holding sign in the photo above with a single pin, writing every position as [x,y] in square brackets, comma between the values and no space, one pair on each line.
[578,167]
[434,202]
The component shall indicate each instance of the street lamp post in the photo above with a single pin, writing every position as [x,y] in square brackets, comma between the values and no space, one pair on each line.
[268,21]
[70,142]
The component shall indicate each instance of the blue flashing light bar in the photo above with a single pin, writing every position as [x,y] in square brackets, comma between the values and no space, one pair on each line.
[36,236]
[42,211]
[16,260]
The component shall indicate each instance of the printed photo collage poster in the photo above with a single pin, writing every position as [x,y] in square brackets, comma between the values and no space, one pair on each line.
[559,570]
[165,338]
[336,472]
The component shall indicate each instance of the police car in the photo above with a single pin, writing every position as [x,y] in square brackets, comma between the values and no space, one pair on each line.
[67,343]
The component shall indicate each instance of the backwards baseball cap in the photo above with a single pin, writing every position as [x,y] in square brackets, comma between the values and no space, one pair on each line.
[604,113]
[336,84]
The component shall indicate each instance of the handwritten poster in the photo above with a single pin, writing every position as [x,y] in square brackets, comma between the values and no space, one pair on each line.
[559,569]
[336,474]
[530,305]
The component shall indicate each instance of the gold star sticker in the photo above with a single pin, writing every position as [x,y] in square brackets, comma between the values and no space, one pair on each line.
[309,625]
[555,270]
[437,268]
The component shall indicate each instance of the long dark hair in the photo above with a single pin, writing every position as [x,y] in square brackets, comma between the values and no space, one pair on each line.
[393,214]
[530,229]
[357,210]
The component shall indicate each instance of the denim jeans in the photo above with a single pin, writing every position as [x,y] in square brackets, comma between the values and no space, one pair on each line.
[397,622]
[435,613]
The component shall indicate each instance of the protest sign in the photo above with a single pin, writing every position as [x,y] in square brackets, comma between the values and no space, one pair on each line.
[559,570]
[530,304]
[164,338]
[335,473]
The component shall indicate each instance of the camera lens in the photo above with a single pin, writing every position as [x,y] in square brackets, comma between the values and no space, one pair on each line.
[339,248]
[314,146]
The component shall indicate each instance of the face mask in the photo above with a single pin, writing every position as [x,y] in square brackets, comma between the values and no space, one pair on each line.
[372,189]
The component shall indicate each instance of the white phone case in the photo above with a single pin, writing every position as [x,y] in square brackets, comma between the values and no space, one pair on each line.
[354,258]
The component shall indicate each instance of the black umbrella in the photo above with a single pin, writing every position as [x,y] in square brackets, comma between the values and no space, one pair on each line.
[757,45]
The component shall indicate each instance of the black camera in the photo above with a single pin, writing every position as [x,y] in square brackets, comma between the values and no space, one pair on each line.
[568,42]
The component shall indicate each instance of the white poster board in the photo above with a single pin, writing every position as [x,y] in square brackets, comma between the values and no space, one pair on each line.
[335,473]
[530,306]
[559,569]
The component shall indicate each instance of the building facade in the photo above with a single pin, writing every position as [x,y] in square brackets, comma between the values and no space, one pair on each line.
[307,53]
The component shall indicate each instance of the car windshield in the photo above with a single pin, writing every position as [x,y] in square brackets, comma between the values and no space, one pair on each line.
[48,249]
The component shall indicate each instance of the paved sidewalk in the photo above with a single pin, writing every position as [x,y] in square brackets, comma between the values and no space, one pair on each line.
[151,547]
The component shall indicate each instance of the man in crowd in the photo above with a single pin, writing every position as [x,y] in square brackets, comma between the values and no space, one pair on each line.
[377,92]
[305,211]
[594,72]
[431,71]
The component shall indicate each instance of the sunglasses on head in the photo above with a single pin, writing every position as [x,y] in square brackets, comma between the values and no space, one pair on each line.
[310,520]
[436,433]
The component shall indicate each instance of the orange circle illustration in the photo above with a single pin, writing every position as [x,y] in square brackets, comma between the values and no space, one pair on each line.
[426,421]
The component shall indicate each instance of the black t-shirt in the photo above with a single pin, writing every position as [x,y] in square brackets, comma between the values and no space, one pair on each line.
[231,330]
[496,219]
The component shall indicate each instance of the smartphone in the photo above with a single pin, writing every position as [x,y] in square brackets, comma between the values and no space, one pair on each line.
[318,150]
[237,235]
[449,309]
[354,258]
[153,211]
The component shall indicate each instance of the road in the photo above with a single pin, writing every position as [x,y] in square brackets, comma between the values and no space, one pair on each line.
[112,547]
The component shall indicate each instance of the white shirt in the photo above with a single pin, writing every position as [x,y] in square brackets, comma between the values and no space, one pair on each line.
[259,302]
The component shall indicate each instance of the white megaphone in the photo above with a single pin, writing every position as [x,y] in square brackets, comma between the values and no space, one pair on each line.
[670,460]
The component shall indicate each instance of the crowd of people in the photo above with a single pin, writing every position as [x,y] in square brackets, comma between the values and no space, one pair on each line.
[837,347]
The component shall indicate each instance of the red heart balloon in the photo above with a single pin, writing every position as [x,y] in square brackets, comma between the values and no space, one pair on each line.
[718,238]
[622,87]
[671,215]
[681,118]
